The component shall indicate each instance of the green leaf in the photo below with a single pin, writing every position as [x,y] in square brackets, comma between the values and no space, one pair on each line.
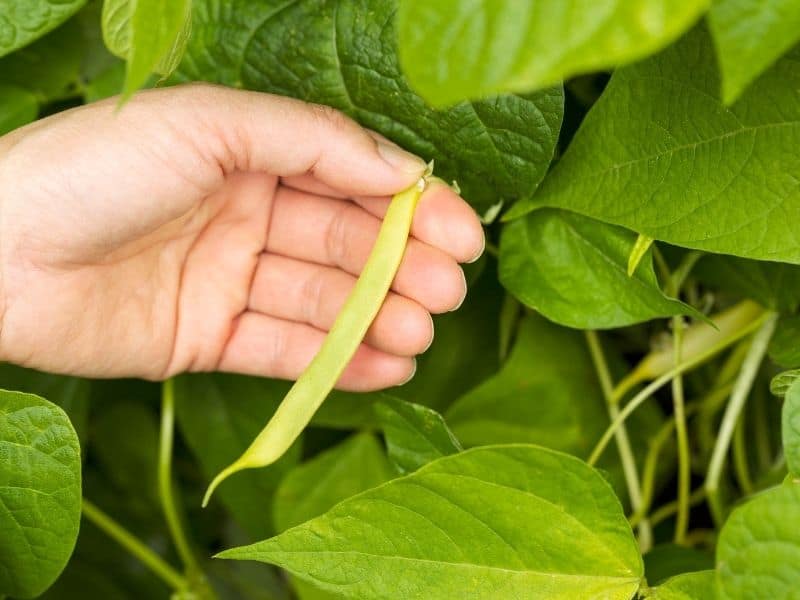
[659,154]
[149,34]
[219,415]
[453,50]
[23,21]
[689,586]
[750,35]
[312,488]
[40,493]
[18,107]
[780,384]
[784,347]
[668,560]
[342,53]
[774,285]
[790,429]
[520,519]
[415,435]
[573,270]
[759,547]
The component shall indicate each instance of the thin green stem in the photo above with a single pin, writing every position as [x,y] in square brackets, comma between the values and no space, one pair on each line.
[667,510]
[165,491]
[623,442]
[741,389]
[135,546]
[762,437]
[740,461]
[682,439]
[639,398]
[492,250]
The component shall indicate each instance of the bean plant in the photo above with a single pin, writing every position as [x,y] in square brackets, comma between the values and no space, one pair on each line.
[613,413]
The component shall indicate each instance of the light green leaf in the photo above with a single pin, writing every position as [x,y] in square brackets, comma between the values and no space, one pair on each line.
[639,250]
[573,270]
[343,53]
[415,435]
[40,493]
[453,50]
[520,519]
[219,415]
[790,428]
[759,547]
[780,384]
[689,586]
[750,35]
[310,489]
[784,347]
[150,35]
[18,107]
[659,153]
[23,21]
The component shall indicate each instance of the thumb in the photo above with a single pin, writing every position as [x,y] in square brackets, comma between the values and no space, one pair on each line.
[288,137]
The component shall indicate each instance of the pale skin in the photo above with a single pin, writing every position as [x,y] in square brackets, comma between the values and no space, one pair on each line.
[205,229]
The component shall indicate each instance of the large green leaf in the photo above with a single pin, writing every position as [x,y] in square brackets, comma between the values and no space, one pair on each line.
[342,53]
[660,154]
[219,415]
[458,49]
[573,270]
[18,107]
[415,434]
[759,547]
[504,521]
[750,35]
[40,493]
[150,35]
[310,489]
[790,426]
[689,586]
[23,21]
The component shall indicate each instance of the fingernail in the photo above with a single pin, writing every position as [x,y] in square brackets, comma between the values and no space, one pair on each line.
[480,252]
[464,296]
[400,159]
[413,372]
[430,342]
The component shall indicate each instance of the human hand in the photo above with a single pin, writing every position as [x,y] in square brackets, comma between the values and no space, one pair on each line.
[202,228]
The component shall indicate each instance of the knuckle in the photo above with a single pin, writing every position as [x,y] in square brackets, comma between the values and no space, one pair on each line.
[311,295]
[330,117]
[336,237]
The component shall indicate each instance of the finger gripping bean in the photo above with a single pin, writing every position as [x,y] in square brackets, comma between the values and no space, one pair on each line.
[341,343]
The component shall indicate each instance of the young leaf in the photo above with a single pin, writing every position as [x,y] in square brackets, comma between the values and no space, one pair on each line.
[149,34]
[784,347]
[454,50]
[22,22]
[218,416]
[18,107]
[40,493]
[660,154]
[310,489]
[346,58]
[520,519]
[780,384]
[573,270]
[415,435]
[759,547]
[790,426]
[750,35]
[689,586]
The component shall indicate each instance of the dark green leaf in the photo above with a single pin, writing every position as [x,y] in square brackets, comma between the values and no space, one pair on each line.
[342,53]
[520,519]
[759,547]
[689,586]
[40,493]
[415,435]
[661,155]
[784,347]
[750,35]
[573,270]
[219,415]
[312,488]
[18,107]
[23,21]
[668,560]
[455,50]
[790,427]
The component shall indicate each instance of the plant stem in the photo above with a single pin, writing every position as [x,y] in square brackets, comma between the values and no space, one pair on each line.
[741,389]
[682,438]
[135,546]
[741,468]
[667,510]
[623,442]
[165,477]
[639,398]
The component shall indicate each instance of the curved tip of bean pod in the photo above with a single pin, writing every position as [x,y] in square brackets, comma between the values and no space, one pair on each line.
[221,476]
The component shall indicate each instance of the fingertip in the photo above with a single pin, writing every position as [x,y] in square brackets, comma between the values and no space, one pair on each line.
[446,221]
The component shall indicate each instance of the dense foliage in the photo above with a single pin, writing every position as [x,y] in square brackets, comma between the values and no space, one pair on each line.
[613,413]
